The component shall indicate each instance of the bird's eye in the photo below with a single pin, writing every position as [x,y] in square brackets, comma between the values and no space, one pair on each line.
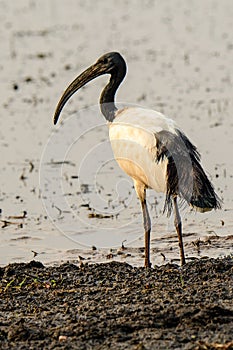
[105,60]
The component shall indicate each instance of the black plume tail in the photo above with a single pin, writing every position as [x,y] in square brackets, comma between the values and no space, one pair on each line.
[185,175]
[203,197]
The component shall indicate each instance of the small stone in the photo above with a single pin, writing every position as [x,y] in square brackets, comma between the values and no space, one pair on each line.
[62,338]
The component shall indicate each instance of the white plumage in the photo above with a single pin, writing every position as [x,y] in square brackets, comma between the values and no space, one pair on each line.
[132,136]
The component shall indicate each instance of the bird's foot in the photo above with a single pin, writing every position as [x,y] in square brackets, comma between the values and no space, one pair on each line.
[183,261]
[147,264]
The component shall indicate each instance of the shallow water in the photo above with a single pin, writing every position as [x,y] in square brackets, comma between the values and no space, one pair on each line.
[180,59]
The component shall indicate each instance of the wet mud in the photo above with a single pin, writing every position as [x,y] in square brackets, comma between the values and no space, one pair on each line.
[117,306]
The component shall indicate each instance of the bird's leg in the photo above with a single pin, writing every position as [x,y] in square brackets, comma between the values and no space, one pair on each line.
[147,228]
[140,189]
[178,226]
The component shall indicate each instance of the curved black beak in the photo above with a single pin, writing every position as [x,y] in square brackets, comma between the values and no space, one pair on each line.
[89,74]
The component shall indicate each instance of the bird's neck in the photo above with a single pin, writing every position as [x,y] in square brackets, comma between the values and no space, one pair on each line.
[107,98]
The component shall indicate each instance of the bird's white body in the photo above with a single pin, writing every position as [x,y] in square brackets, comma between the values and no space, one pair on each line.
[132,136]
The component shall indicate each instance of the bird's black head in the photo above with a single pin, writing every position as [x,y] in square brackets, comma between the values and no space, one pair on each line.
[110,63]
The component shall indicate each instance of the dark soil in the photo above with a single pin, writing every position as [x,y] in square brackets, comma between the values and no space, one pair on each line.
[116,306]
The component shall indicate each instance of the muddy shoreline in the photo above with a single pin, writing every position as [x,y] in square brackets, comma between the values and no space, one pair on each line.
[117,306]
[180,59]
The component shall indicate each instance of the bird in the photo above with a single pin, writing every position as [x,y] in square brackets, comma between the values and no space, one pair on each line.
[150,148]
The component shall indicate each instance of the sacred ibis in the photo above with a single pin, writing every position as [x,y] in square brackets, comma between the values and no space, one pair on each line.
[150,148]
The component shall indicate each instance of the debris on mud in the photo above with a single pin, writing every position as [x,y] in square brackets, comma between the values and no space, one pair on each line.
[117,306]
